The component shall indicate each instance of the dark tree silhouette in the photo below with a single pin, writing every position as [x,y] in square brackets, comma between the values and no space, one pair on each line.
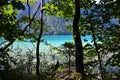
[38,41]
[78,41]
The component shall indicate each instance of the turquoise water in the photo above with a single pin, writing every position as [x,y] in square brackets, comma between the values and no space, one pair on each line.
[55,40]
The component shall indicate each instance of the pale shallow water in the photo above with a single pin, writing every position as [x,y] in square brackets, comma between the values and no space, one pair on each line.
[55,40]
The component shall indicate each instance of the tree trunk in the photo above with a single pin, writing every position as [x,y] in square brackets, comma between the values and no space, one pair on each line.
[98,53]
[78,41]
[38,42]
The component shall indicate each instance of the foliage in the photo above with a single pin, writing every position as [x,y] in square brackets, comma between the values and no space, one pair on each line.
[100,19]
[30,1]
[97,18]
[6,60]
[59,8]
[8,22]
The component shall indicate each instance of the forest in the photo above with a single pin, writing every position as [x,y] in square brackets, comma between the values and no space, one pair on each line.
[29,21]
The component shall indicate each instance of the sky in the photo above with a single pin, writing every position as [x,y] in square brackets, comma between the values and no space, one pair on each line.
[97,1]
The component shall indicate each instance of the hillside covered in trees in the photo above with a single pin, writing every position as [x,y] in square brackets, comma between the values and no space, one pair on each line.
[52,24]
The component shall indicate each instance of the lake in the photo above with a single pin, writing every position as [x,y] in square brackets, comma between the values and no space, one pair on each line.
[55,40]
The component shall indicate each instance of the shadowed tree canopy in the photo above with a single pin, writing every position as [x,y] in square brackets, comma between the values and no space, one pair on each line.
[8,18]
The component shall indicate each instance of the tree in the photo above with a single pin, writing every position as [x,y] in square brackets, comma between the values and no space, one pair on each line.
[8,28]
[20,33]
[78,41]
[39,39]
[111,41]
[70,10]
[95,20]
[8,19]
[101,23]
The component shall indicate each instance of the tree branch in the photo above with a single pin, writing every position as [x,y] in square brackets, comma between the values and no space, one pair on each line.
[10,43]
